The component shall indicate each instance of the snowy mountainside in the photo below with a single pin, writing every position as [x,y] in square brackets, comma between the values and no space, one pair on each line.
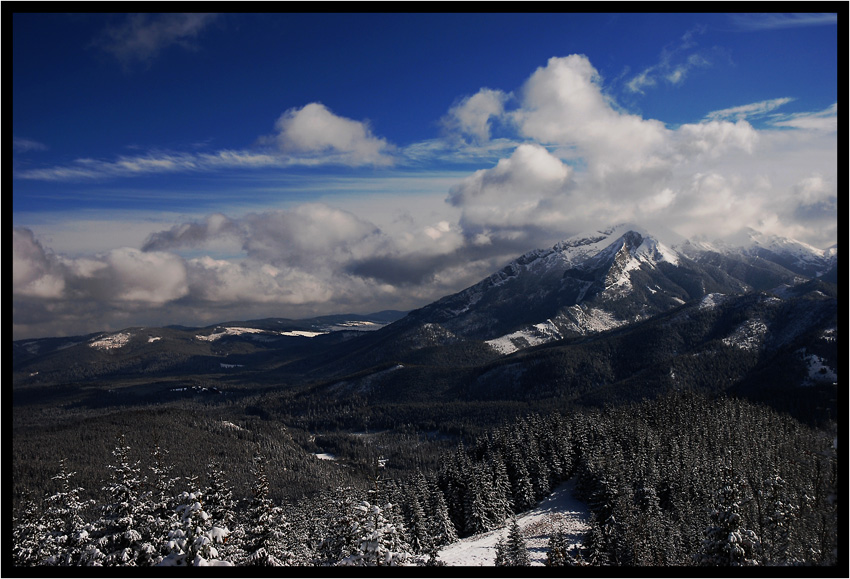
[559,510]
[595,282]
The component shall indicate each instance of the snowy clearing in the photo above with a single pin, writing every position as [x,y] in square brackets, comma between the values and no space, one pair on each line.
[110,342]
[559,508]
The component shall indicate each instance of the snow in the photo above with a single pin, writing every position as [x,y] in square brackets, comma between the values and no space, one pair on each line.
[711,301]
[747,336]
[111,342]
[819,371]
[231,425]
[153,339]
[324,456]
[560,508]
[302,333]
[223,365]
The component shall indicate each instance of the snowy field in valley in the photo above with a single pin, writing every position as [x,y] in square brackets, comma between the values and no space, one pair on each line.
[559,508]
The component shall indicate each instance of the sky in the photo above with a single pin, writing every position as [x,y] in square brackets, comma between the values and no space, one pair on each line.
[198,168]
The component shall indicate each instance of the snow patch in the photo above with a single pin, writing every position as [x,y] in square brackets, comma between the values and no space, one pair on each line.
[254,333]
[324,456]
[560,509]
[302,333]
[747,336]
[111,342]
[711,301]
[819,370]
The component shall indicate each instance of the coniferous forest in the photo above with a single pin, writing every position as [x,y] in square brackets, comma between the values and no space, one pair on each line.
[684,479]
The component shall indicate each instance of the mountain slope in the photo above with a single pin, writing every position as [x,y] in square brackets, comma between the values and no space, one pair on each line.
[595,282]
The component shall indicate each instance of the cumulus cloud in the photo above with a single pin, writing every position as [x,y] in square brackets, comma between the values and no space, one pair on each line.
[192,234]
[141,37]
[313,130]
[34,272]
[471,117]
[515,194]
[562,103]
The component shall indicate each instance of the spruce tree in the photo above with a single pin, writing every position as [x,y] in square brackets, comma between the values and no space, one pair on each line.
[378,537]
[264,526]
[442,529]
[727,542]
[512,552]
[66,533]
[122,541]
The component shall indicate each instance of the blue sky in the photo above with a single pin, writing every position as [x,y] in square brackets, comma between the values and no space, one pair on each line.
[192,168]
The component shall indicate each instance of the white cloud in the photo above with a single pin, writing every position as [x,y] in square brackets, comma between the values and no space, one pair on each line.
[673,65]
[714,138]
[34,272]
[751,110]
[562,103]
[141,37]
[21,145]
[471,116]
[825,120]
[775,20]
[150,277]
[315,131]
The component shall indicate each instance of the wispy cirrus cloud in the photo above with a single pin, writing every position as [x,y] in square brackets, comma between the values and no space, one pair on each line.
[751,110]
[21,145]
[674,64]
[141,37]
[771,21]
[825,120]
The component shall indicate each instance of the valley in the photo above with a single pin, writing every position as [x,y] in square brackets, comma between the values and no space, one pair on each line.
[618,322]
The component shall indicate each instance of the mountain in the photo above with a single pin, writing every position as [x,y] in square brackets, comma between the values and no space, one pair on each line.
[606,279]
[609,315]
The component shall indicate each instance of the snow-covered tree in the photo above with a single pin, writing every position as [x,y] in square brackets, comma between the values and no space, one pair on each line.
[777,515]
[441,527]
[28,535]
[66,531]
[558,549]
[512,552]
[122,541]
[727,542]
[221,507]
[192,542]
[264,526]
[378,537]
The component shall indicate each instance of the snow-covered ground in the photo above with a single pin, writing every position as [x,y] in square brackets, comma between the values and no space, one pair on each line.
[110,342]
[560,508]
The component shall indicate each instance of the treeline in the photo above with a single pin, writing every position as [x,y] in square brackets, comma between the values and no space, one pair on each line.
[681,480]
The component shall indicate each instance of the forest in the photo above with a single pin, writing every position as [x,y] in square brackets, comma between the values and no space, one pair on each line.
[686,479]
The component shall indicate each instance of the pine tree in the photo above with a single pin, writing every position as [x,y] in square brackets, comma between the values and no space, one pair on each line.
[558,550]
[442,529]
[29,533]
[727,542]
[221,507]
[192,542]
[122,541]
[379,539]
[514,551]
[264,526]
[68,532]
[476,498]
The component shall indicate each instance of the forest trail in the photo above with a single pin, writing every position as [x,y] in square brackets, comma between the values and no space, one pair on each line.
[537,524]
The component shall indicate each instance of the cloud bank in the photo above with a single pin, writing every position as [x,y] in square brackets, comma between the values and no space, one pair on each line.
[574,161]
